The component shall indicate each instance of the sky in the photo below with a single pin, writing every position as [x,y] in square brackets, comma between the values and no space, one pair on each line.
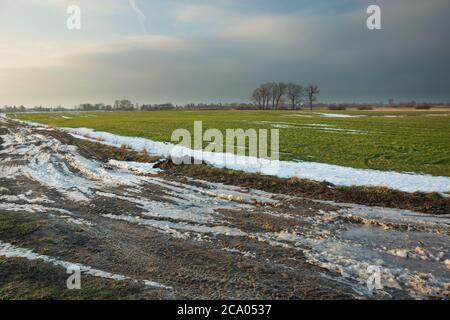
[190,51]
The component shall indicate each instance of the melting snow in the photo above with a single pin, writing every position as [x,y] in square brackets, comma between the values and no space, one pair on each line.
[136,167]
[338,175]
[339,115]
[347,240]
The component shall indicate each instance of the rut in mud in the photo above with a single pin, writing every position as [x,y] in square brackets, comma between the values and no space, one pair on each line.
[178,237]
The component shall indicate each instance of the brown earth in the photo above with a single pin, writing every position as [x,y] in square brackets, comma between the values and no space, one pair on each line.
[193,264]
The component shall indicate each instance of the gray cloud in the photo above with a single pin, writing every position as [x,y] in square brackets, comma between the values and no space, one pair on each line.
[408,59]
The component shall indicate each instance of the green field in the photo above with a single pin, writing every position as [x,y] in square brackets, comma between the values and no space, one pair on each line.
[400,141]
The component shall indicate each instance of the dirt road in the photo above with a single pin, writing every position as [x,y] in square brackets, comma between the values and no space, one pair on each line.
[137,232]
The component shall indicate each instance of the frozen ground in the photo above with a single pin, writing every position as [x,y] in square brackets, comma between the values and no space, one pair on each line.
[196,239]
[338,175]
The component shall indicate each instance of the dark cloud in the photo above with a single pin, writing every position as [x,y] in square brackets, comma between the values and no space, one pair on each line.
[408,59]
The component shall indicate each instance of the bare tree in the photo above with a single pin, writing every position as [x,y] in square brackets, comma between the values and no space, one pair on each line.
[271,95]
[266,92]
[278,91]
[257,97]
[272,87]
[294,94]
[312,91]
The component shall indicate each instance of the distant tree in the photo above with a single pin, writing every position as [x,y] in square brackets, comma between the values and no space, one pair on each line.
[257,98]
[99,106]
[294,94]
[123,105]
[311,92]
[262,95]
[266,91]
[277,92]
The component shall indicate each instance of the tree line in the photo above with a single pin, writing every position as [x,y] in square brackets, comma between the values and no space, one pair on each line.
[275,95]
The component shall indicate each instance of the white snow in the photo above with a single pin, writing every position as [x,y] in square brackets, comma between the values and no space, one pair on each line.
[339,115]
[21,197]
[136,167]
[411,248]
[329,241]
[39,209]
[338,175]
[52,163]
[167,225]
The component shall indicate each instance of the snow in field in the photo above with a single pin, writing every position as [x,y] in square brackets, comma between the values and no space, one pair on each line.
[137,167]
[338,115]
[36,205]
[341,115]
[317,127]
[411,249]
[338,175]
[354,238]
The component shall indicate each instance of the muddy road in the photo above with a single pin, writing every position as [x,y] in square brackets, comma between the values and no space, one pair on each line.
[139,233]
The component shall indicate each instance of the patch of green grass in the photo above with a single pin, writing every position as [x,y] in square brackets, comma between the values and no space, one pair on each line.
[36,280]
[409,142]
[17,226]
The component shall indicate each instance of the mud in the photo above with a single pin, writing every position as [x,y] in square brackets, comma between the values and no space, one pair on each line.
[173,235]
[433,203]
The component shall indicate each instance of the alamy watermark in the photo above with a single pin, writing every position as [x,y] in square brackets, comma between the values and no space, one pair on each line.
[74,19]
[373,21]
[74,280]
[236,149]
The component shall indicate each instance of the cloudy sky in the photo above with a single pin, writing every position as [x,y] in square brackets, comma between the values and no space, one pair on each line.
[154,51]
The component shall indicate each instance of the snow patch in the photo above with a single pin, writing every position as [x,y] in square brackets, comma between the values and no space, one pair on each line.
[135,167]
[338,175]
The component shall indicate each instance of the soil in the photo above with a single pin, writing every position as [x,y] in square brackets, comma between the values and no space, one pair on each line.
[192,264]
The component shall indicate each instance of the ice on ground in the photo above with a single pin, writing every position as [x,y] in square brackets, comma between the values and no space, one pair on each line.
[23,197]
[9,251]
[338,175]
[167,225]
[39,209]
[136,167]
[339,115]
[410,248]
[413,261]
[52,164]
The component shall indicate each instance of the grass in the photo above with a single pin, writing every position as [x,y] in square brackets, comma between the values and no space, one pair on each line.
[17,226]
[410,142]
[36,280]
[22,279]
